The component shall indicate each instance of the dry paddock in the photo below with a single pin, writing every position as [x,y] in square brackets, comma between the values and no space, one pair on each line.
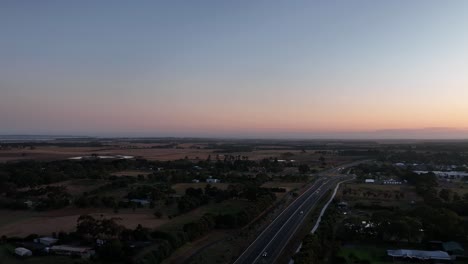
[23,223]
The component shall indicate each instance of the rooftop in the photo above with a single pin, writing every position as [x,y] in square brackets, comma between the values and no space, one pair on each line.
[419,254]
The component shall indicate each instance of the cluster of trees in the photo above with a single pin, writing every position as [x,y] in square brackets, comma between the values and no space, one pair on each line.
[199,227]
[195,197]
[169,241]
[33,173]
[272,165]
[96,201]
[426,186]
[448,157]
[261,202]
[90,228]
[55,198]
[420,223]
[49,197]
[155,192]
[191,200]
[374,193]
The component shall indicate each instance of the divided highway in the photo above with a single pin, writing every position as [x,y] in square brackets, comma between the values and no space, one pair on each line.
[271,242]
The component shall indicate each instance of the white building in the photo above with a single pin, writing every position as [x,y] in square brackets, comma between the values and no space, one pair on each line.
[23,252]
[211,180]
[442,174]
[392,182]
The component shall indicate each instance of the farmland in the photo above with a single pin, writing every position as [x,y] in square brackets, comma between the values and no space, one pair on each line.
[24,223]
[159,189]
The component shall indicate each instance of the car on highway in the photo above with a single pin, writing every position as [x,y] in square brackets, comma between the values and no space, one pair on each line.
[265,254]
[301,212]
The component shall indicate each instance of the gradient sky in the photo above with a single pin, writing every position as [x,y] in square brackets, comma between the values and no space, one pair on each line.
[234,68]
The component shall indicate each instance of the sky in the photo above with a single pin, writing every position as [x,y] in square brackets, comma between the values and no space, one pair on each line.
[246,68]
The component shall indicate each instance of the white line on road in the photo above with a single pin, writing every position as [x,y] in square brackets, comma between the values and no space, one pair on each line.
[291,204]
[287,221]
[326,206]
[321,214]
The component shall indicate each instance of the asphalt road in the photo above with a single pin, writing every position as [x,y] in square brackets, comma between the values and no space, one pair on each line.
[276,236]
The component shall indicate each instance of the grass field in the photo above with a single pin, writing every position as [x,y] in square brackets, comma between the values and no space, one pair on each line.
[145,151]
[373,254]
[56,153]
[23,223]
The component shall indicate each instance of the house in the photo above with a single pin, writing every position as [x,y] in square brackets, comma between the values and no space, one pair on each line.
[211,180]
[436,256]
[369,181]
[392,182]
[141,202]
[48,241]
[83,252]
[453,248]
[23,252]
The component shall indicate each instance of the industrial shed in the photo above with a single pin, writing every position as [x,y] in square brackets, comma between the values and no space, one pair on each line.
[421,255]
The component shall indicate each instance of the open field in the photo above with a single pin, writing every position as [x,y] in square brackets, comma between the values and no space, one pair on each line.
[181,187]
[373,254]
[155,151]
[57,153]
[23,223]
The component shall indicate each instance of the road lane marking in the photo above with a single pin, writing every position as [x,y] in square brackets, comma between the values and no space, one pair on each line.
[287,221]
[317,182]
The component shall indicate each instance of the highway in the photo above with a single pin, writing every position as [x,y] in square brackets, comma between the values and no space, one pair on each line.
[271,242]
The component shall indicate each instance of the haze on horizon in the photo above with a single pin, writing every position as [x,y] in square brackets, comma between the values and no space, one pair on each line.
[299,69]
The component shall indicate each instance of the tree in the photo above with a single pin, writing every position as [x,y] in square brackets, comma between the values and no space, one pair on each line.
[445,194]
[303,168]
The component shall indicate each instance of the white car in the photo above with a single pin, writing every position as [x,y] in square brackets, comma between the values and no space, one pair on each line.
[265,254]
[301,212]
